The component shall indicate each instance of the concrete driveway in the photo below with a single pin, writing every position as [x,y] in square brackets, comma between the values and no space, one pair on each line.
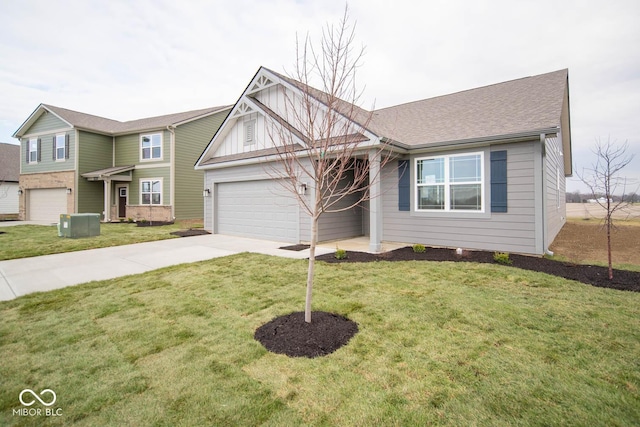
[44,273]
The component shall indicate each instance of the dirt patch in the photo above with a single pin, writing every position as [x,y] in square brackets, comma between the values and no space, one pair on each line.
[292,336]
[582,241]
[153,223]
[190,232]
[589,274]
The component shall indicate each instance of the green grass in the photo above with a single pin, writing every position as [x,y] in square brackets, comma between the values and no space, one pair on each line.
[24,241]
[439,344]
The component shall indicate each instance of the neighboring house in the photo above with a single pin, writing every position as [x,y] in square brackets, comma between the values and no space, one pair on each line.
[479,169]
[74,162]
[9,176]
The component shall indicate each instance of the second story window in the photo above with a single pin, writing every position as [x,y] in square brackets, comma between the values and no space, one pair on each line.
[151,146]
[60,148]
[33,154]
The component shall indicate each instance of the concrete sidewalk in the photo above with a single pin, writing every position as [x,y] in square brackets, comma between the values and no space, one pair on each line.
[44,273]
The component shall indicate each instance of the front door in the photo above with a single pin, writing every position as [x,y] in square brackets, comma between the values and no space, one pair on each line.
[122,202]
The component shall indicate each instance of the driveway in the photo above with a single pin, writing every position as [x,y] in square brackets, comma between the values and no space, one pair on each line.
[44,273]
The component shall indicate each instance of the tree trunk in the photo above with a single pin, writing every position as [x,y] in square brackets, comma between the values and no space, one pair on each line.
[311,270]
[609,246]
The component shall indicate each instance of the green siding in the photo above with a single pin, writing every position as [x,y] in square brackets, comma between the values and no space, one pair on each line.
[138,174]
[45,123]
[191,139]
[96,152]
[46,163]
[128,149]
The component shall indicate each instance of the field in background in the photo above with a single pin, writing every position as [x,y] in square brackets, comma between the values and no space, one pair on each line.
[583,238]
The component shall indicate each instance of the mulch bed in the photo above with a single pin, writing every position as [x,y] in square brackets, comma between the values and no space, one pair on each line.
[588,274]
[296,248]
[190,232]
[153,223]
[292,336]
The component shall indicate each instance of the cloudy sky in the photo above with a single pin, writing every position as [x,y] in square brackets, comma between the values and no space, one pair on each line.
[140,58]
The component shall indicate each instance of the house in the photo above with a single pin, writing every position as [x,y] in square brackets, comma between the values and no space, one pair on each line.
[9,176]
[480,169]
[74,162]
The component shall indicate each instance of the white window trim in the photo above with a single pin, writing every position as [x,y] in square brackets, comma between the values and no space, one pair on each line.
[447,185]
[150,198]
[152,159]
[34,141]
[64,147]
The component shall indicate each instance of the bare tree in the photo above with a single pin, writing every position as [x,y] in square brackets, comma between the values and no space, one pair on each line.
[322,144]
[604,181]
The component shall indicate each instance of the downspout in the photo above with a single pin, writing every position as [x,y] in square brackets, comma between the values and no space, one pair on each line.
[543,151]
[172,171]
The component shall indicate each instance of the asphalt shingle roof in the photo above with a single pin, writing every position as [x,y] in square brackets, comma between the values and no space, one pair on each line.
[101,124]
[9,162]
[512,107]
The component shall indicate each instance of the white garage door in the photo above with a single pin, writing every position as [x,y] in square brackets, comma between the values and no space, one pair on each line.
[258,209]
[46,204]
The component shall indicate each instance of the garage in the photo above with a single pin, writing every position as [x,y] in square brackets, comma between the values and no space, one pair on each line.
[46,204]
[259,209]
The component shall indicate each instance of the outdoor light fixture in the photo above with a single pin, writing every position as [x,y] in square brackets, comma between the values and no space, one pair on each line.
[68,191]
[302,189]
[206,192]
[19,191]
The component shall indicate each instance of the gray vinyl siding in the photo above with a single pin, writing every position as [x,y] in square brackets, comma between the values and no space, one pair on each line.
[46,163]
[555,201]
[512,231]
[191,139]
[46,123]
[95,152]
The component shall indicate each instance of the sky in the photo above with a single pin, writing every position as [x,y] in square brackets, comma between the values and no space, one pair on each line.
[131,59]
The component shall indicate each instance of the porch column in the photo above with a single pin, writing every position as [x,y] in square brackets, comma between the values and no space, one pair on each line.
[375,203]
[107,200]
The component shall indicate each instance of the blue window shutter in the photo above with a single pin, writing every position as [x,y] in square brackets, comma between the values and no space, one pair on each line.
[499,181]
[404,186]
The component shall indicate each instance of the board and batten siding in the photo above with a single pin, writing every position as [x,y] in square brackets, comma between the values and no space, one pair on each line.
[512,231]
[191,139]
[95,152]
[46,163]
[255,172]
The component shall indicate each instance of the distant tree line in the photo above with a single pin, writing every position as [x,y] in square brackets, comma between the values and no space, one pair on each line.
[577,197]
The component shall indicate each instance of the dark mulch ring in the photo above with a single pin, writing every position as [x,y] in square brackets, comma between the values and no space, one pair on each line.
[296,248]
[292,336]
[589,274]
[190,232]
[153,223]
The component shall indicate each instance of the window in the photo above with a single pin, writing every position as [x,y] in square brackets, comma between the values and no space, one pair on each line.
[59,152]
[151,146]
[249,132]
[151,192]
[450,183]
[33,151]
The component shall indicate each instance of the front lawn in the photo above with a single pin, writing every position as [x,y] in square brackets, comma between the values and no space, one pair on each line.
[438,344]
[24,241]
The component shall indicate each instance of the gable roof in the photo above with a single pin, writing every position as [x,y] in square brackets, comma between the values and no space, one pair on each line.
[521,108]
[113,127]
[9,162]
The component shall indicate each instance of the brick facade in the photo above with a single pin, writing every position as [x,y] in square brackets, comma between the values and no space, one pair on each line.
[46,180]
[150,213]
